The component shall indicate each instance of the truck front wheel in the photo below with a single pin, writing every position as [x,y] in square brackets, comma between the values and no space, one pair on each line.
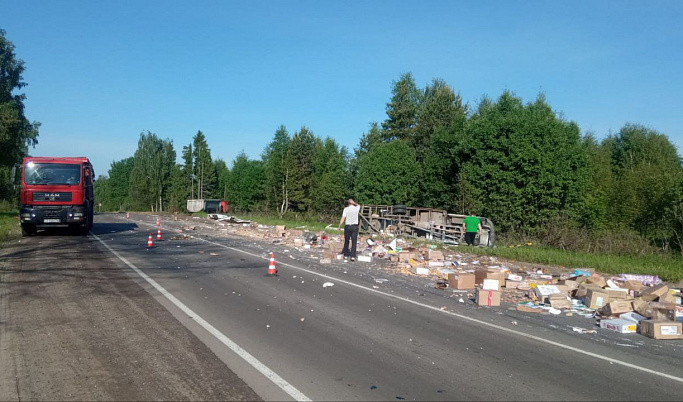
[28,229]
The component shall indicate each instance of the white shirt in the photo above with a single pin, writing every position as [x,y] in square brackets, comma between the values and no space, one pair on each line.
[351,214]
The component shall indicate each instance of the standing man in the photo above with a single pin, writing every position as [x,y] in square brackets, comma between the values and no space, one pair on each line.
[350,214]
[472,226]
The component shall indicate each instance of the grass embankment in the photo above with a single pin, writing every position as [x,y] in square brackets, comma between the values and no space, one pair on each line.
[9,222]
[668,267]
[304,224]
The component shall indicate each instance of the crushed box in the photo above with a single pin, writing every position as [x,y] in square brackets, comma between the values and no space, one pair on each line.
[559,301]
[461,281]
[661,329]
[511,284]
[642,307]
[653,293]
[488,297]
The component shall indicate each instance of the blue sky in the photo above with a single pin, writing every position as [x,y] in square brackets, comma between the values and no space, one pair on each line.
[99,73]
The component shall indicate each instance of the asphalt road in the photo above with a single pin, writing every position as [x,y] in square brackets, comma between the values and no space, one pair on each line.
[291,337]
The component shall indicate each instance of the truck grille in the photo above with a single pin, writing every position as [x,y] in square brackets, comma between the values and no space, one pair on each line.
[47,196]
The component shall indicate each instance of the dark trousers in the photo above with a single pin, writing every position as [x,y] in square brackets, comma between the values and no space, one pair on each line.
[469,238]
[350,233]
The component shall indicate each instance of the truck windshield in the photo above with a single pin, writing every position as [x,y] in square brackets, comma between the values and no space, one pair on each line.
[52,173]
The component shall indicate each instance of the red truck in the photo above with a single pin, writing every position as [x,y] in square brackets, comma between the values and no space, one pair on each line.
[56,192]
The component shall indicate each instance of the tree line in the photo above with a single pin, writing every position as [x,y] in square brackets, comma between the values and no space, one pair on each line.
[521,164]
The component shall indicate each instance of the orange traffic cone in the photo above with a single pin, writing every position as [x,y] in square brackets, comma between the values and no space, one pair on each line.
[149,241]
[158,221]
[159,234]
[271,267]
[127,215]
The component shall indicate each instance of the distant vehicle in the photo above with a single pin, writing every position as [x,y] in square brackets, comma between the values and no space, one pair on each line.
[206,205]
[56,192]
[433,224]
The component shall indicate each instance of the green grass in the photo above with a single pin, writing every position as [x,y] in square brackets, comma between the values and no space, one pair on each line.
[310,224]
[9,224]
[668,267]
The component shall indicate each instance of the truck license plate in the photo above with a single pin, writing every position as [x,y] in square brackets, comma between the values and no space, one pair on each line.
[51,220]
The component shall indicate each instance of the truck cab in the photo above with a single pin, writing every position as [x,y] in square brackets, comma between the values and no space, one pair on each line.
[56,192]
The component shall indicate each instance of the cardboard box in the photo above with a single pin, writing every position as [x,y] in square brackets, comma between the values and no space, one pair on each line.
[461,281]
[298,242]
[482,274]
[619,325]
[653,293]
[436,264]
[421,271]
[407,255]
[595,298]
[663,311]
[642,307]
[617,293]
[295,233]
[490,284]
[667,298]
[514,277]
[488,297]
[661,329]
[564,289]
[632,285]
[570,284]
[543,291]
[365,258]
[596,279]
[435,255]
[511,284]
[616,307]
[583,289]
[559,301]
[632,316]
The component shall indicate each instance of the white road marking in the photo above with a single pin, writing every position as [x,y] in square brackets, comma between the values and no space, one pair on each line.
[254,362]
[464,317]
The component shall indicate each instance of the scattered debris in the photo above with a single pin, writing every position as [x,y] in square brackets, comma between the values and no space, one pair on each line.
[328,284]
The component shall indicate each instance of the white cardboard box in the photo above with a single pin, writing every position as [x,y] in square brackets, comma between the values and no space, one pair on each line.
[420,270]
[514,277]
[364,258]
[619,325]
[491,284]
[543,291]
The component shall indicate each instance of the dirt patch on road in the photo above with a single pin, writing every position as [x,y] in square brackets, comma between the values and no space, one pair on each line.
[74,326]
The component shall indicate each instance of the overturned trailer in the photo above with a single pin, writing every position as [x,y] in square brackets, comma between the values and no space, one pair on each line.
[432,224]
